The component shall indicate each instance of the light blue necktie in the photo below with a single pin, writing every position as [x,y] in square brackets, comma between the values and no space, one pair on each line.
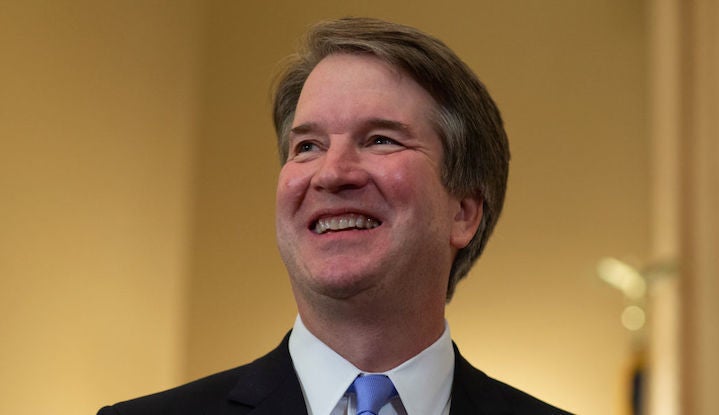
[373,392]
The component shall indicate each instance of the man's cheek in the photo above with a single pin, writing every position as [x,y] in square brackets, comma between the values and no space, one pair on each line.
[292,186]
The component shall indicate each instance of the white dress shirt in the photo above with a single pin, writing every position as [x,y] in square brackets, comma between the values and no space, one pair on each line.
[423,382]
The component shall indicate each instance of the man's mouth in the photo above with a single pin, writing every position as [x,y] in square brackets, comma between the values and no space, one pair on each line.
[344,222]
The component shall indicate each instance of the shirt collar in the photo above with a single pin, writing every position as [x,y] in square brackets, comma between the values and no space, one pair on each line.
[423,382]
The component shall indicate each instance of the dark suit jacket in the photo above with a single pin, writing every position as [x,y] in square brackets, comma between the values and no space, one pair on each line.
[269,386]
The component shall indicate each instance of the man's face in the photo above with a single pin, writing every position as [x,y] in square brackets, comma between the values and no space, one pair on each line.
[360,204]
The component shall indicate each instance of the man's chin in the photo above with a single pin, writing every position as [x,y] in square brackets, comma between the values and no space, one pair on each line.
[339,287]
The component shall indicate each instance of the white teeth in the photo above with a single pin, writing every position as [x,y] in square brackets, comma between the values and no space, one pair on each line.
[349,221]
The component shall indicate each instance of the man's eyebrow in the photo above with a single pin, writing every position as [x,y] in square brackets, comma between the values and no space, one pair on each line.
[303,129]
[368,124]
[387,124]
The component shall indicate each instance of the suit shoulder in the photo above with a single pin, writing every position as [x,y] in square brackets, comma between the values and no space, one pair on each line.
[193,397]
[522,402]
[232,389]
[474,389]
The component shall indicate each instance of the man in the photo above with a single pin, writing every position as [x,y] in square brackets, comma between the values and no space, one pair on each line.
[394,171]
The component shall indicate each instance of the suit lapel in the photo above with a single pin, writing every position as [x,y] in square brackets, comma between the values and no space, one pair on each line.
[465,387]
[269,385]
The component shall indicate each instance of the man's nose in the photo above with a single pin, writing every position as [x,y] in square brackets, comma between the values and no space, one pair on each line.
[341,168]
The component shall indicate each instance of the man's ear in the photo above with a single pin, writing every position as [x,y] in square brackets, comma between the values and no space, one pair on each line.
[467,220]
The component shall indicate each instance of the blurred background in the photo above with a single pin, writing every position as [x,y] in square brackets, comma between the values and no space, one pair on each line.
[137,174]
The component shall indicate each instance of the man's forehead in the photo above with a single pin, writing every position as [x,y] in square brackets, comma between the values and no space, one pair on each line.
[346,87]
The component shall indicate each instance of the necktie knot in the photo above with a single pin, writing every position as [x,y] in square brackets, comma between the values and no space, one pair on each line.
[373,392]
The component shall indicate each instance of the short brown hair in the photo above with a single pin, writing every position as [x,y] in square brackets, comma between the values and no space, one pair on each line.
[476,150]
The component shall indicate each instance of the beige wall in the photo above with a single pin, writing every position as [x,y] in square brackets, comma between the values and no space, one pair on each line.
[138,244]
[97,123]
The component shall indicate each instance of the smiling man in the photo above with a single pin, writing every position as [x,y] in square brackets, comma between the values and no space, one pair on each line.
[394,168]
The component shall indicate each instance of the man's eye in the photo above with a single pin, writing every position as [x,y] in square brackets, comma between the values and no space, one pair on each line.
[305,147]
[380,139]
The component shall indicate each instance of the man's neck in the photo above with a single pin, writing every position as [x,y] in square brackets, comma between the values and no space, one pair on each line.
[375,338]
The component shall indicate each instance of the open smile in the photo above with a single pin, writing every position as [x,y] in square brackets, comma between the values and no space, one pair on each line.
[344,222]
